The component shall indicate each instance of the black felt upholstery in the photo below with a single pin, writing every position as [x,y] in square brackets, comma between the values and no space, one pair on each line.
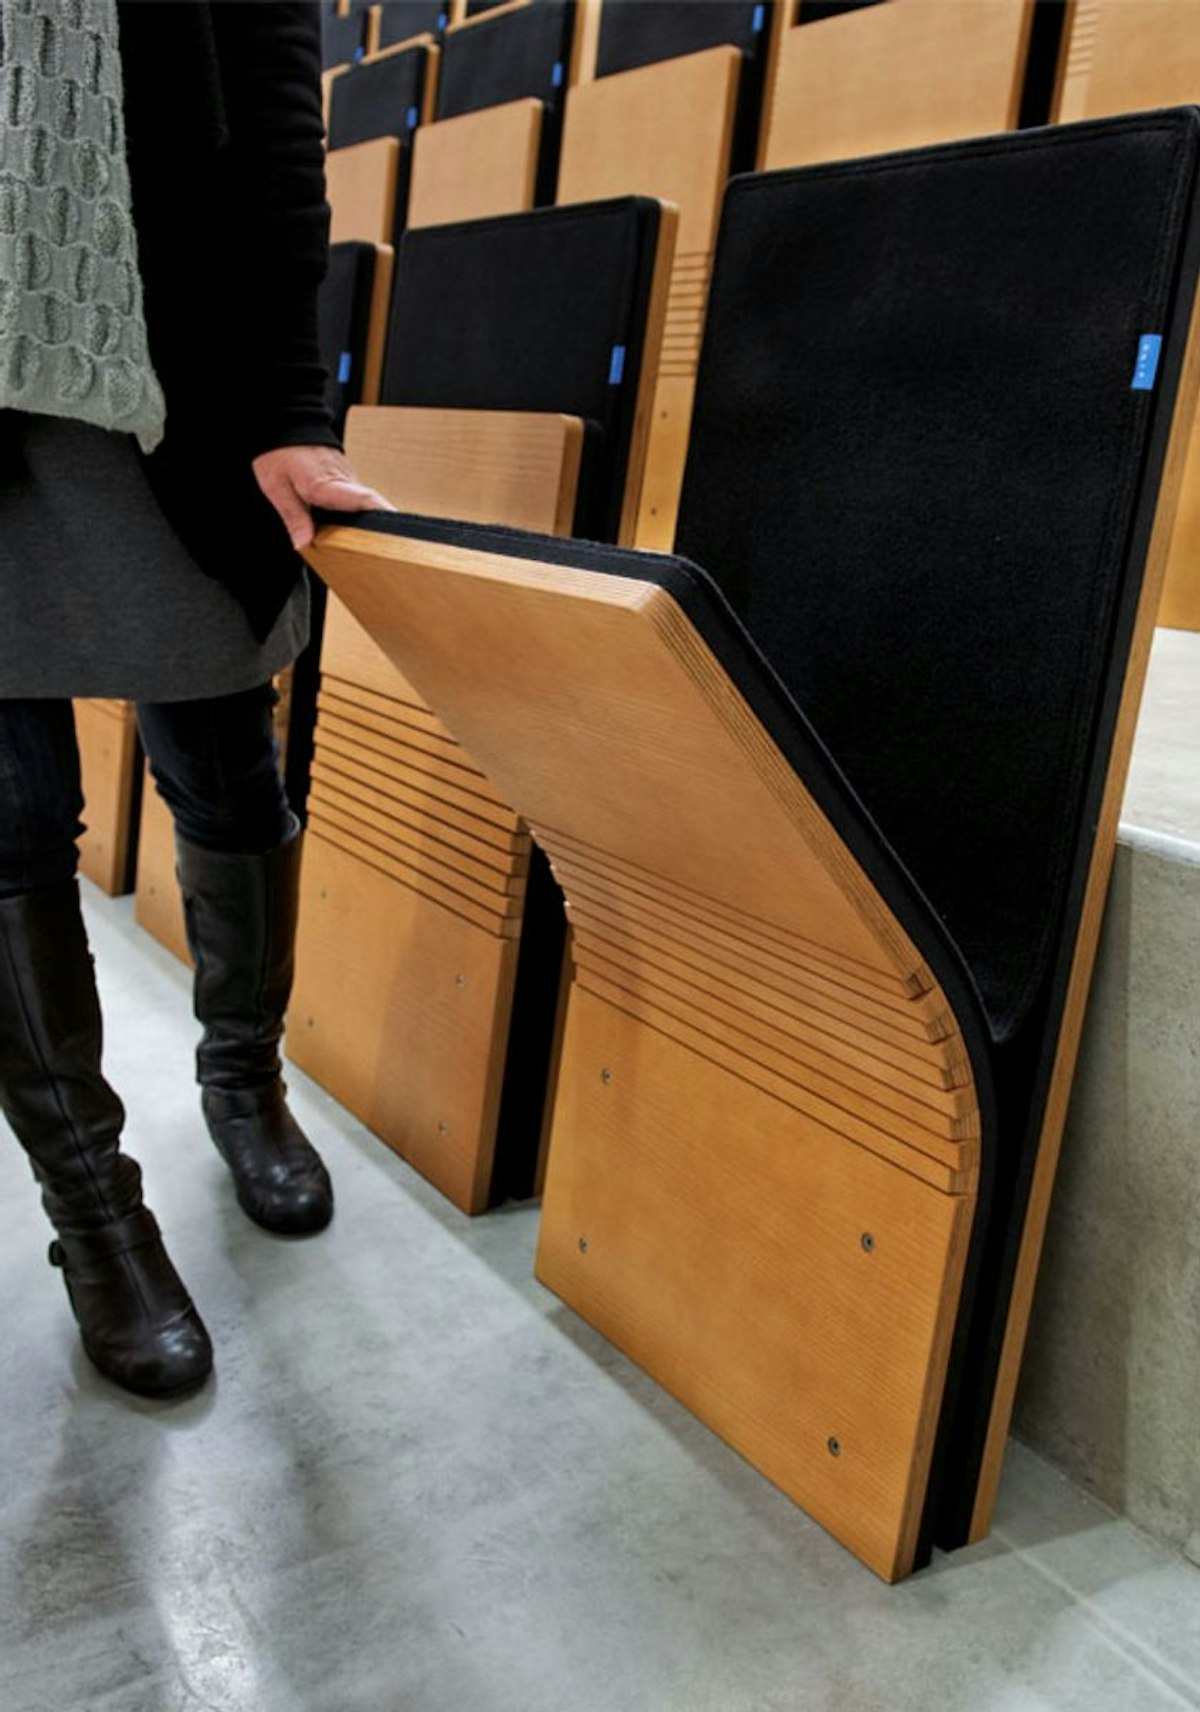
[815,11]
[506,58]
[400,20]
[525,312]
[474,7]
[344,310]
[912,466]
[633,32]
[381,98]
[342,39]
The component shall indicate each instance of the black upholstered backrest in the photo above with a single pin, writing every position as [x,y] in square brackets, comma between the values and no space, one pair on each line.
[541,311]
[516,54]
[344,313]
[342,39]
[382,98]
[633,32]
[917,469]
[399,20]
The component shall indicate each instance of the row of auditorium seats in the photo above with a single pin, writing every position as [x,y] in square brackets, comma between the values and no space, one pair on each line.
[765,1032]
[866,84]
[906,71]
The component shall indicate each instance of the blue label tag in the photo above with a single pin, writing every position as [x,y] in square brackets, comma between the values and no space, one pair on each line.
[556,76]
[443,20]
[344,368]
[1145,369]
[358,54]
[413,116]
[760,18]
[616,367]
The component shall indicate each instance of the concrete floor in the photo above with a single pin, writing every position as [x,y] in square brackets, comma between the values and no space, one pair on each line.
[419,1484]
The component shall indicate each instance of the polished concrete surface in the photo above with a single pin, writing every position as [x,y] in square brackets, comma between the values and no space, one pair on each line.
[419,1484]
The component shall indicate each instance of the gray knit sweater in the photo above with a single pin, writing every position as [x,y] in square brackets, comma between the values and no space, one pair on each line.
[72,330]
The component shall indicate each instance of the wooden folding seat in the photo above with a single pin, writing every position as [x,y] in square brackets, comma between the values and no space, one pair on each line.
[904,72]
[476,164]
[416,872]
[625,34]
[516,52]
[663,130]
[109,767]
[374,108]
[352,313]
[1121,59]
[834,815]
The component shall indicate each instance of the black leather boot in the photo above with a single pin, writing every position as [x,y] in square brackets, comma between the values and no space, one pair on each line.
[240,912]
[136,1319]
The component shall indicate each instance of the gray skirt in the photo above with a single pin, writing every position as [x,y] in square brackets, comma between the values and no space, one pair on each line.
[98,596]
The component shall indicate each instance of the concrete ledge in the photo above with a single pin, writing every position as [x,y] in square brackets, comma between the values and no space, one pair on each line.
[1111,1385]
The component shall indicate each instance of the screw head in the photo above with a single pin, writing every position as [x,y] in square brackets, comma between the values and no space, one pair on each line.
[583,1245]
[834,1446]
[443,1129]
[606,1077]
[868,1242]
[460,980]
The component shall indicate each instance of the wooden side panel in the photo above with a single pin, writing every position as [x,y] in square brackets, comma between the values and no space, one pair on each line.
[108,753]
[476,164]
[400,1010]
[415,869]
[360,183]
[664,131]
[1122,58]
[762,1092]
[896,76]
[157,906]
[790,1289]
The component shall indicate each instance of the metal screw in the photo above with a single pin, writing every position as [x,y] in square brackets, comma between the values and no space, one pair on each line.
[460,980]
[835,1446]
[443,1129]
[606,1077]
[583,1245]
[868,1242]
[311,1023]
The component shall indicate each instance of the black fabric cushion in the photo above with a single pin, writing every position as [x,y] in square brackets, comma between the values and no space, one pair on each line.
[540,311]
[342,39]
[913,468]
[474,7]
[344,311]
[506,58]
[379,99]
[402,19]
[633,32]
[815,11]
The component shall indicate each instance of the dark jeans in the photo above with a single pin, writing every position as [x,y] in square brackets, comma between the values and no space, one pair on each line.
[215,763]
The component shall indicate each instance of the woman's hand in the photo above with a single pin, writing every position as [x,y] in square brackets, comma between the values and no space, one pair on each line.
[295,478]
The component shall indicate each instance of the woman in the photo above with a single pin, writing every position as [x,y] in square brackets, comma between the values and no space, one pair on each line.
[163,234]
